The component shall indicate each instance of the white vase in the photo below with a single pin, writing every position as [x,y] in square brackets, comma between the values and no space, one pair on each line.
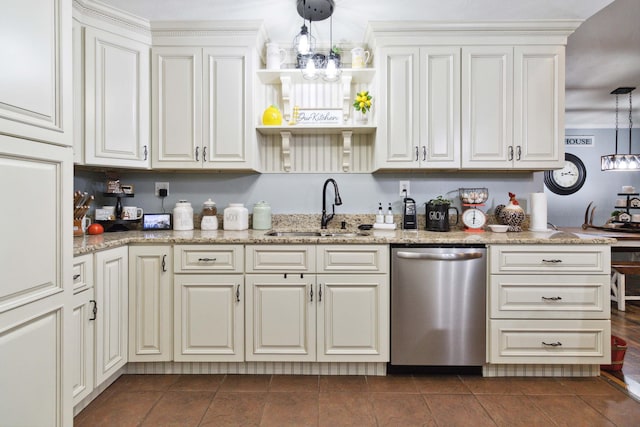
[360,118]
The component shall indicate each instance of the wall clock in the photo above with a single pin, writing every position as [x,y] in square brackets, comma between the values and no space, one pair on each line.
[569,179]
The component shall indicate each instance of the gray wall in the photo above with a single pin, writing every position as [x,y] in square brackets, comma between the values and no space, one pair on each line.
[600,187]
[302,193]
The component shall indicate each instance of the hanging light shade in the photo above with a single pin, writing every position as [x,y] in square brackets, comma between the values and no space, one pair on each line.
[621,162]
[313,64]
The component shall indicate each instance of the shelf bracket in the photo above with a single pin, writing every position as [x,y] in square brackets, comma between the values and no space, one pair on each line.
[346,97]
[285,81]
[286,151]
[346,150]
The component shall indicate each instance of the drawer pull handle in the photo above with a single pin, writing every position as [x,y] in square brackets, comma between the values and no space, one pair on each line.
[311,293]
[551,298]
[238,293]
[206,259]
[76,276]
[553,344]
[320,292]
[94,310]
[164,263]
[552,261]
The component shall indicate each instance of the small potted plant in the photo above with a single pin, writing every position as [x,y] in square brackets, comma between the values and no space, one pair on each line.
[362,104]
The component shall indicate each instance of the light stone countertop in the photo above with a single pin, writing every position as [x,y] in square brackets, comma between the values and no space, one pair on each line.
[89,244]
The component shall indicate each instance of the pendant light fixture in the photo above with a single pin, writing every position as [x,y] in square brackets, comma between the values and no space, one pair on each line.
[311,63]
[622,162]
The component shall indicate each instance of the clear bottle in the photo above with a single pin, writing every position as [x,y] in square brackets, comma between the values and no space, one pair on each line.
[209,216]
[388,218]
[380,215]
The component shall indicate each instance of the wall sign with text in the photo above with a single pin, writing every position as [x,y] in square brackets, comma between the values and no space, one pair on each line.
[325,116]
[579,140]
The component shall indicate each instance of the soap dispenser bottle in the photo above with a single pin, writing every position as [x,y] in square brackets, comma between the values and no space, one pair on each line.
[380,215]
[388,218]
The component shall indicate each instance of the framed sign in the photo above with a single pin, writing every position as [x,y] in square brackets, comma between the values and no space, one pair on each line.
[579,140]
[319,116]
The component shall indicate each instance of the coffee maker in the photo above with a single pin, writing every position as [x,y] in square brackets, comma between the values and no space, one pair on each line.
[409,215]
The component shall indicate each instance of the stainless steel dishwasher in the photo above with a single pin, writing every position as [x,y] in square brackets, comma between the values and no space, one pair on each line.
[438,300]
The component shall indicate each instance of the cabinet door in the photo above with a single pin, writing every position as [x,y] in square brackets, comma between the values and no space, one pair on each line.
[36,283]
[116,100]
[83,342]
[353,318]
[398,126]
[150,303]
[487,107]
[281,317]
[36,72]
[111,292]
[439,107]
[209,318]
[78,92]
[177,107]
[227,108]
[538,106]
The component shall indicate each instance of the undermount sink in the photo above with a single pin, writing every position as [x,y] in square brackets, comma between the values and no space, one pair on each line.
[314,234]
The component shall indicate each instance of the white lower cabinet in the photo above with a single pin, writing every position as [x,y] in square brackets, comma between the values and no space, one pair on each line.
[303,316]
[150,303]
[208,303]
[83,344]
[111,295]
[281,317]
[549,304]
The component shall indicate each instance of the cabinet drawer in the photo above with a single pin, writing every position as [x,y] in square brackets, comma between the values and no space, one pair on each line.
[281,258]
[550,259]
[550,341]
[208,258]
[82,272]
[353,258]
[550,296]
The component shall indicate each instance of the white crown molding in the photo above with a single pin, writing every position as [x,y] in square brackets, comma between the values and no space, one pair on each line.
[230,33]
[384,33]
[94,12]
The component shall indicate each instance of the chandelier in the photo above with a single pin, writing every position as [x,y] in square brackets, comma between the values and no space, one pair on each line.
[621,162]
[311,63]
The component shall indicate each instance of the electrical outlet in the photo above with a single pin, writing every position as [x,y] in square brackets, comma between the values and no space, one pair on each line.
[405,185]
[160,185]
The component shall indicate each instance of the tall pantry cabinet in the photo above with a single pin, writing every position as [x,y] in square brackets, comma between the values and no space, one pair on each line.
[36,296]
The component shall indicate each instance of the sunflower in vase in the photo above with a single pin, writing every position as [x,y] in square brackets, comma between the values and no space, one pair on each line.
[362,104]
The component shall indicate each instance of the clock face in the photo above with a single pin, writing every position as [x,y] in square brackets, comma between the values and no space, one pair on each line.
[474,218]
[569,179]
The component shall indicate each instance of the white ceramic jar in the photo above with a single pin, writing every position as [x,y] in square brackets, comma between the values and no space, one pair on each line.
[236,217]
[261,216]
[183,216]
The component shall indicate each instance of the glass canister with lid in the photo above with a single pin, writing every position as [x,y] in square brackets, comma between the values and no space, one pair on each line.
[261,216]
[209,216]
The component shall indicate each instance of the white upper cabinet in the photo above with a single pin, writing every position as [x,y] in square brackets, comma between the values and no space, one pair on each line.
[476,96]
[420,107]
[35,76]
[116,100]
[513,107]
[487,106]
[202,108]
[177,107]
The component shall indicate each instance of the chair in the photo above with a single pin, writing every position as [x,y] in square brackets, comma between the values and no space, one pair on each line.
[619,271]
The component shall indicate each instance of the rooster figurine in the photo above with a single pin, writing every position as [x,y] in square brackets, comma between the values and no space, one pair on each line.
[511,214]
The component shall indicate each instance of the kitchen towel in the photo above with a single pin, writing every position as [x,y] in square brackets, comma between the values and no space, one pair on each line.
[538,221]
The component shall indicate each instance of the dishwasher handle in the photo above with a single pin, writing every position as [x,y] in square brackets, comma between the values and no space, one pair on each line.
[449,256]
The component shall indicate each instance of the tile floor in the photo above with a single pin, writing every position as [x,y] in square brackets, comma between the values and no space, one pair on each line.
[396,400]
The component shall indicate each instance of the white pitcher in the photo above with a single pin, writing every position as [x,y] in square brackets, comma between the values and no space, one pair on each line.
[359,57]
[275,56]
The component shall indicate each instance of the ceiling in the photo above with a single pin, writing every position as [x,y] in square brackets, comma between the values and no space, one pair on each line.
[603,53]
